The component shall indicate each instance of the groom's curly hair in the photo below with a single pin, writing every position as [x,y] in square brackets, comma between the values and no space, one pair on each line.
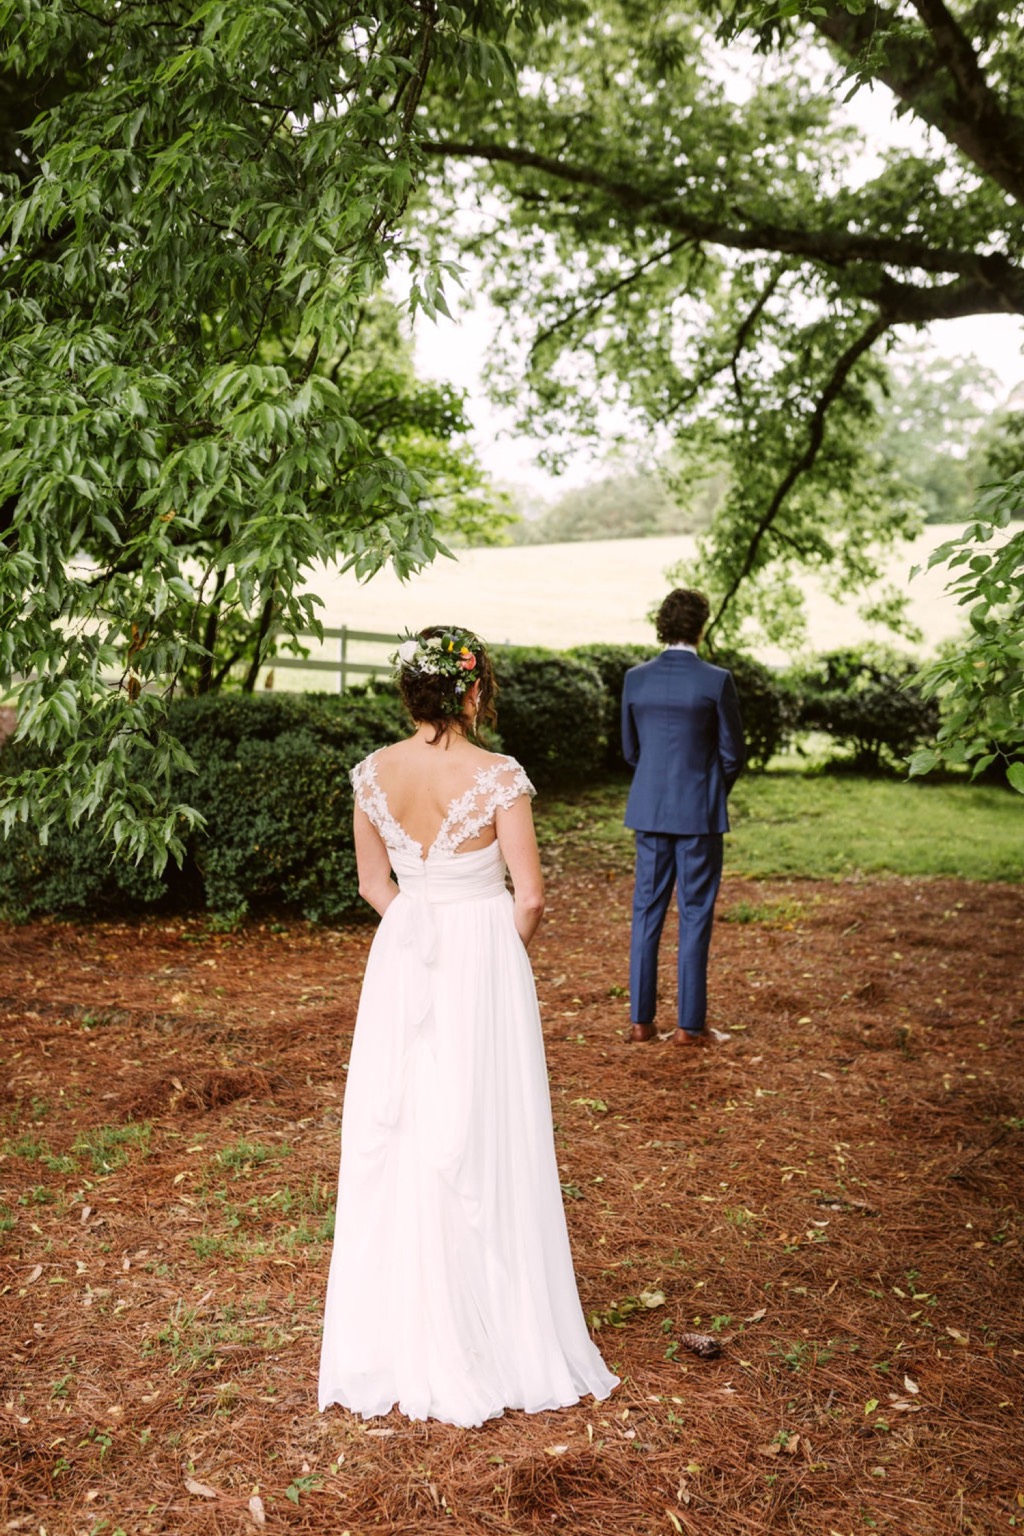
[682,616]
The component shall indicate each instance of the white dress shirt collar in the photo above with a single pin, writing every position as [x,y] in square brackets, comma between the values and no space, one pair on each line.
[681,645]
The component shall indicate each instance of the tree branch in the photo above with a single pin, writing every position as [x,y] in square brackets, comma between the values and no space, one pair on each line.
[262,636]
[210,628]
[816,436]
[703,379]
[970,114]
[957,54]
[423,66]
[991,283]
[594,301]
[907,304]
[744,330]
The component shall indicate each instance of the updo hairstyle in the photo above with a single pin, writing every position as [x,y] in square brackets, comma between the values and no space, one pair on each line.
[433,689]
[682,617]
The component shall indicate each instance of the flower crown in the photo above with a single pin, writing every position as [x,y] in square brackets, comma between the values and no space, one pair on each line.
[452,653]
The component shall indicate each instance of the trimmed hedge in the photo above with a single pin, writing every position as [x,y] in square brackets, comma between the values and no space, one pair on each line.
[71,873]
[353,722]
[551,713]
[272,782]
[866,701]
[272,773]
[770,710]
[611,663]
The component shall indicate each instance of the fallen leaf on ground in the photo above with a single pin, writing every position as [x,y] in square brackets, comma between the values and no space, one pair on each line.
[201,1490]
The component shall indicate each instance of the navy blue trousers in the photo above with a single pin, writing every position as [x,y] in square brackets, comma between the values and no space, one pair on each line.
[693,865]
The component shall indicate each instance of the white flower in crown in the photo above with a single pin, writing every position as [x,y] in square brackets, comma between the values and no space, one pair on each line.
[407,651]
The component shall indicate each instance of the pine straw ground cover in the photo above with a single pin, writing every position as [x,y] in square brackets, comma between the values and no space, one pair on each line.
[835,1195]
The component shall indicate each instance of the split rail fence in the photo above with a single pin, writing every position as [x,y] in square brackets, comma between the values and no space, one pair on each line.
[344,668]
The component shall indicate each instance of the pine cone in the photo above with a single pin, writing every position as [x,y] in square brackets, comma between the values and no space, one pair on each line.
[703,1344]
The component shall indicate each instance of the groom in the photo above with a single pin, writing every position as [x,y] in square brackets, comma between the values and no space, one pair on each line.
[682,733]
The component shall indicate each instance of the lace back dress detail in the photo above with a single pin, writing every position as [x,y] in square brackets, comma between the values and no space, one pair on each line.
[451,1290]
[494,788]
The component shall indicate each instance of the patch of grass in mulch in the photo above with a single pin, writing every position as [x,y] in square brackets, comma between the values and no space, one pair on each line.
[835,1195]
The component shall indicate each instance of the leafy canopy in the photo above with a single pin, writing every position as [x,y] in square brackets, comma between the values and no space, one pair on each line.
[198,204]
[687,221]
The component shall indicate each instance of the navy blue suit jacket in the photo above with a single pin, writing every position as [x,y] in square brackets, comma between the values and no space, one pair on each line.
[682,733]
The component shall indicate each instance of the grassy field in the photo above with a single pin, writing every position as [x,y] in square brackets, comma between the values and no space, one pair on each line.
[569,594]
[787,823]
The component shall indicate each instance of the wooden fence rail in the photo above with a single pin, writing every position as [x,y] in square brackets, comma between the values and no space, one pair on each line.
[343,668]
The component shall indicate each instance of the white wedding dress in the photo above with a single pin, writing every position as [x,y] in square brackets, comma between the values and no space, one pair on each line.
[451,1289]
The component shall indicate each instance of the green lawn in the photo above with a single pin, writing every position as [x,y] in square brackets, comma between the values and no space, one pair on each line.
[787,823]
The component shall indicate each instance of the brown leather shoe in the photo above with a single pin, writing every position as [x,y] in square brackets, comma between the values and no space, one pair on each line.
[700,1037]
[642,1032]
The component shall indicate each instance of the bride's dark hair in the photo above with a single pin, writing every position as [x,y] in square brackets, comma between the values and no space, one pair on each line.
[434,682]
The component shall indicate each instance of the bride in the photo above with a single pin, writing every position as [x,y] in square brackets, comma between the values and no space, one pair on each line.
[451,1288]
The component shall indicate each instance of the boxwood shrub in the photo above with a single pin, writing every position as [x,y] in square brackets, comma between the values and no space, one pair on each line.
[551,713]
[611,663]
[770,708]
[272,782]
[865,700]
[272,773]
[71,873]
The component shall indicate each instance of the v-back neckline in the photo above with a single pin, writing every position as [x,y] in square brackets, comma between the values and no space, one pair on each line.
[405,837]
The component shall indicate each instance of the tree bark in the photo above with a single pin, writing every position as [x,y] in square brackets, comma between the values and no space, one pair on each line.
[266,619]
[943,84]
[204,683]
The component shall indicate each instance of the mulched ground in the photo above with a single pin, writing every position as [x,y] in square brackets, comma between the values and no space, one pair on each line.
[835,1196]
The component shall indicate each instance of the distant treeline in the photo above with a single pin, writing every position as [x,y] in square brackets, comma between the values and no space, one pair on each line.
[623,506]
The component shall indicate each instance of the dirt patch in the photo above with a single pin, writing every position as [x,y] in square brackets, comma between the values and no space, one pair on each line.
[835,1196]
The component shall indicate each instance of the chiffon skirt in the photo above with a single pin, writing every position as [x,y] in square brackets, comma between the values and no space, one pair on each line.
[451,1289]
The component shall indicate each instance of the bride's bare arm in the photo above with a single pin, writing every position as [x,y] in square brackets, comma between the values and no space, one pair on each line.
[375,883]
[518,843]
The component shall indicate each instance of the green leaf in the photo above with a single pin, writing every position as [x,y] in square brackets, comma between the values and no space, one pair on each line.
[922,762]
